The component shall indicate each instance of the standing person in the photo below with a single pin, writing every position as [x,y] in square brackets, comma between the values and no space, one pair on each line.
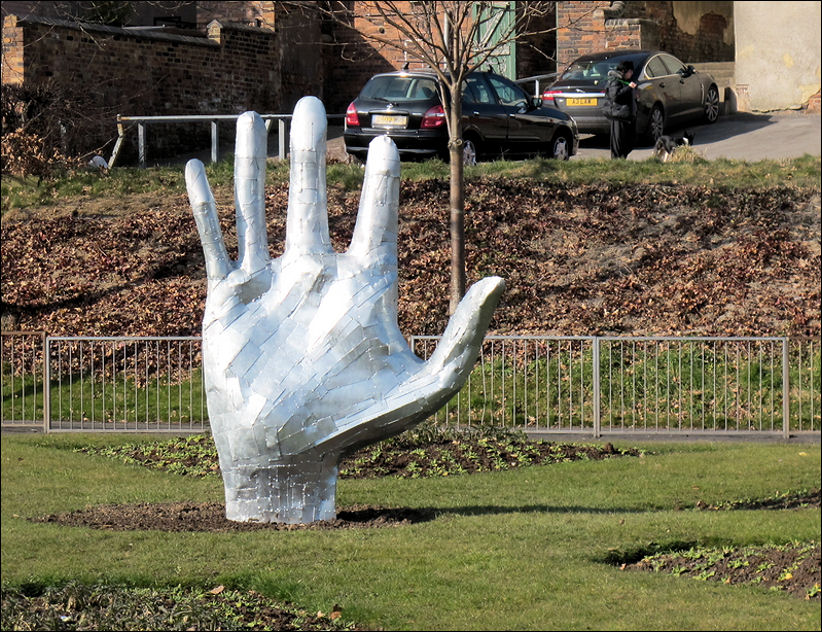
[621,108]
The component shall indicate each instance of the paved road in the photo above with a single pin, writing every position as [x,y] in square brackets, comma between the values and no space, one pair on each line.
[740,136]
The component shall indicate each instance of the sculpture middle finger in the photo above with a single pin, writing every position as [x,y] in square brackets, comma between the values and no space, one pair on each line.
[307,222]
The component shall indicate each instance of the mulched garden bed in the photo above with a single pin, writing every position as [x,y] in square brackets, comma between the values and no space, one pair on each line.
[77,606]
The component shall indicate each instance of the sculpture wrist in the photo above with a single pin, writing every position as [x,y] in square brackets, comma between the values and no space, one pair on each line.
[294,491]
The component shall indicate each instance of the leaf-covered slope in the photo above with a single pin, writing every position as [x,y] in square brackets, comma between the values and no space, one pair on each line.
[658,259]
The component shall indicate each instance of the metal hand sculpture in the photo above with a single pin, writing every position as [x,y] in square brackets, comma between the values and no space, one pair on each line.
[303,358]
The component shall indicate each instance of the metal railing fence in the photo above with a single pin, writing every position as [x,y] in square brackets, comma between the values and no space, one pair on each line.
[143,384]
[539,80]
[585,385]
[212,120]
[134,383]
[23,378]
[660,385]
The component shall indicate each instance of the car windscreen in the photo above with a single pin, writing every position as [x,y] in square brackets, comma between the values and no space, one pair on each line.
[594,70]
[397,88]
[591,70]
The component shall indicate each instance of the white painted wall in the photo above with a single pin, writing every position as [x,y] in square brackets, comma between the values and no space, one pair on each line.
[778,54]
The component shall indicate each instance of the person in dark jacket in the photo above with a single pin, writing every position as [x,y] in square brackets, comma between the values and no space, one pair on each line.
[619,94]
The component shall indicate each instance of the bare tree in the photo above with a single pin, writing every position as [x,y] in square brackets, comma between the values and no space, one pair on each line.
[453,38]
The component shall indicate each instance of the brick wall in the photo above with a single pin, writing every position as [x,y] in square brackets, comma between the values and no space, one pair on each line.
[580,30]
[235,68]
[705,33]
[588,27]
[351,57]
[11,67]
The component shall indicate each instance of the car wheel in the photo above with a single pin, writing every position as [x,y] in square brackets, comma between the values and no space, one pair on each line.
[656,124]
[560,147]
[712,105]
[469,152]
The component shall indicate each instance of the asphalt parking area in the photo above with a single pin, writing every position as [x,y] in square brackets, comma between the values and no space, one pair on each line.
[740,136]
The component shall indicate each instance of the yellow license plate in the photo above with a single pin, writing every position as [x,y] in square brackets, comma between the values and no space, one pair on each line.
[580,102]
[389,121]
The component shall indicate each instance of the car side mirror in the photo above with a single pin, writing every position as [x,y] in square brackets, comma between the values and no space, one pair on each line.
[687,71]
[536,102]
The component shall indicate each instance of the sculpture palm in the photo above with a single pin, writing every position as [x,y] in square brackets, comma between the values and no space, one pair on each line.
[303,358]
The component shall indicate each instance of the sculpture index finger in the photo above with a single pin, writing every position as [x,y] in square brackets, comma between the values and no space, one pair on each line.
[218,265]
[307,223]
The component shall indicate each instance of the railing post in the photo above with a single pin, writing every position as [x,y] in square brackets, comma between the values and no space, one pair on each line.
[46,384]
[121,133]
[214,142]
[282,131]
[786,387]
[597,415]
[141,143]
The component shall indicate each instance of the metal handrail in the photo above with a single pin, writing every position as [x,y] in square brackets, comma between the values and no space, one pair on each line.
[213,119]
[536,79]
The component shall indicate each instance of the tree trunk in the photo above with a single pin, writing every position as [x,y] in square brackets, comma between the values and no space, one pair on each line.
[457,203]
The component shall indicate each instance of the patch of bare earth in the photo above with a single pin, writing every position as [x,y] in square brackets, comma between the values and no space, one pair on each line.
[793,568]
[211,517]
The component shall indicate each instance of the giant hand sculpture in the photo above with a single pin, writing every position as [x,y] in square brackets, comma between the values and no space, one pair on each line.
[303,358]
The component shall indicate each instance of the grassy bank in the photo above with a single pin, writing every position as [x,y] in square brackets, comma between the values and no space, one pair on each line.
[31,192]
[533,548]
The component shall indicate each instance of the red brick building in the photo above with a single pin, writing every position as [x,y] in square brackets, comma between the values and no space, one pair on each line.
[227,57]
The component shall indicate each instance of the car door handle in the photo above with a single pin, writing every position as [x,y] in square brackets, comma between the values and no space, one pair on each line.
[475,113]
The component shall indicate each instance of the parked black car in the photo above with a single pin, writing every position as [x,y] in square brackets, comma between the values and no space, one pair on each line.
[669,93]
[499,119]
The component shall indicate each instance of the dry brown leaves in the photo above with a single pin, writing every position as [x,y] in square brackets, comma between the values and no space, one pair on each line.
[577,260]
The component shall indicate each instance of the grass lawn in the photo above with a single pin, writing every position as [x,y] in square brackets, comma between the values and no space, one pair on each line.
[31,192]
[519,549]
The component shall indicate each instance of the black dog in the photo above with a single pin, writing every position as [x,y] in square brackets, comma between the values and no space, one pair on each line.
[666,145]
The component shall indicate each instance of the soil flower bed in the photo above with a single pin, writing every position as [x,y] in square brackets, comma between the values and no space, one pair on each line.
[105,607]
[427,452]
[793,568]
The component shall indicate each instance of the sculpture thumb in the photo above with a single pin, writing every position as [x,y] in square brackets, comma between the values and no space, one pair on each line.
[459,346]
